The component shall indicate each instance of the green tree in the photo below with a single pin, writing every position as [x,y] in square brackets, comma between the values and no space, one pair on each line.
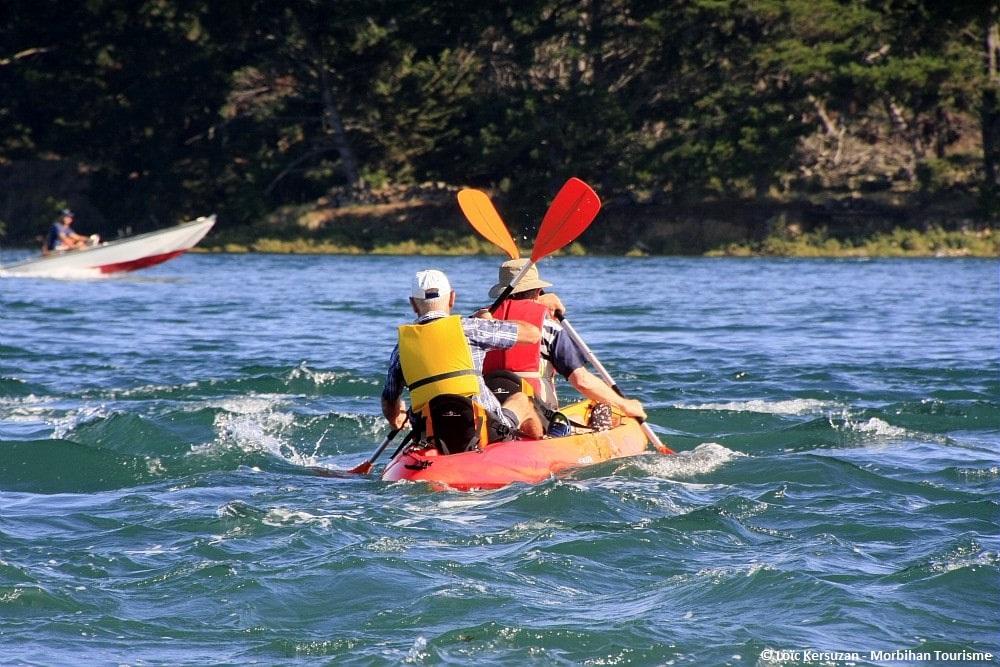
[346,96]
[118,92]
[720,108]
[555,99]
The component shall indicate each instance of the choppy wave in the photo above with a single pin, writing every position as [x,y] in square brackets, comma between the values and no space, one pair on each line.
[834,487]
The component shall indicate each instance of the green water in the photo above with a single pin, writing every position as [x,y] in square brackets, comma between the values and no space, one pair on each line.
[835,489]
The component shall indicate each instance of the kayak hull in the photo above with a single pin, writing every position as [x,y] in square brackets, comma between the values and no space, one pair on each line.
[527,461]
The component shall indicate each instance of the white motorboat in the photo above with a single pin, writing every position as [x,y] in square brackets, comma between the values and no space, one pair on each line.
[126,254]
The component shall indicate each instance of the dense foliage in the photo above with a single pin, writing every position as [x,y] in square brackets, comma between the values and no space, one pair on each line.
[177,107]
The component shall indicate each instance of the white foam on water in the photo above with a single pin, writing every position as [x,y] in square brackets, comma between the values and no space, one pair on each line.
[252,432]
[28,409]
[721,574]
[285,517]
[388,545]
[257,403]
[319,377]
[255,424]
[873,426]
[705,458]
[64,425]
[326,378]
[796,406]
[65,274]
[966,556]
[154,550]
[17,401]
[418,652]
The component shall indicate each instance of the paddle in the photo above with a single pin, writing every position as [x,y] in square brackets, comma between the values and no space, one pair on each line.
[483,216]
[479,211]
[363,468]
[568,328]
[574,208]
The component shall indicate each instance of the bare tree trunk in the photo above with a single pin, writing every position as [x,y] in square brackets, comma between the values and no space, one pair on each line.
[336,129]
[831,126]
[828,123]
[991,108]
[333,124]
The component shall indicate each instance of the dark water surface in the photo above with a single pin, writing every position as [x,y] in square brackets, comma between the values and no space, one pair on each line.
[836,487]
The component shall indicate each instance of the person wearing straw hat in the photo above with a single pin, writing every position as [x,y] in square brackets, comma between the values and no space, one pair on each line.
[555,352]
[443,354]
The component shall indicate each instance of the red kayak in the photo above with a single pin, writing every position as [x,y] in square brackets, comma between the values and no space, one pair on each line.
[529,461]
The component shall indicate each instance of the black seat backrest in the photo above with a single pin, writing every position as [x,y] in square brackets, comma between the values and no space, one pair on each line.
[503,384]
[454,424]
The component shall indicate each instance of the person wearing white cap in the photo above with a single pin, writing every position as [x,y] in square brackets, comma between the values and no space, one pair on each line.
[556,352]
[61,237]
[442,354]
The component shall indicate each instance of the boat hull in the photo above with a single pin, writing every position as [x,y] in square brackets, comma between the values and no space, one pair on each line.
[129,254]
[528,461]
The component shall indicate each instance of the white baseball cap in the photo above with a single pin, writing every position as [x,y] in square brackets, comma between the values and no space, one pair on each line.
[430,284]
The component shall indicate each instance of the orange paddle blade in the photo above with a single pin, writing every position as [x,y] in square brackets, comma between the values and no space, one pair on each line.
[483,216]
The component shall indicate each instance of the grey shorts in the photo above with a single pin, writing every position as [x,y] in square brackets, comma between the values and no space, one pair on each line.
[509,416]
[504,431]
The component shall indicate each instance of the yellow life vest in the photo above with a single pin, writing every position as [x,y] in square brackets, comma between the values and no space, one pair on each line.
[436,359]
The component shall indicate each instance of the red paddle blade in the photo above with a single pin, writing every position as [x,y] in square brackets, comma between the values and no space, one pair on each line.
[362,469]
[319,471]
[571,212]
[483,216]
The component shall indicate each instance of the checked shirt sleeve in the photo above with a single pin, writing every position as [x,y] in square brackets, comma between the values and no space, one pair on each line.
[489,334]
[393,387]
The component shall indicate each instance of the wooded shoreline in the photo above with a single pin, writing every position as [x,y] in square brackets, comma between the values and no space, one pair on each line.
[706,126]
[945,225]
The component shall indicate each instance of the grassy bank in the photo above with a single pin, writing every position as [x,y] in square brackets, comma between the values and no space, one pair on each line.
[897,243]
[731,228]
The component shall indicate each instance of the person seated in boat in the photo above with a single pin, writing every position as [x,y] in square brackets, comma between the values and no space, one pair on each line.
[556,352]
[61,236]
[442,354]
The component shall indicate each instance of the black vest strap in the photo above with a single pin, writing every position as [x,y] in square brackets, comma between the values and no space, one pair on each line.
[441,376]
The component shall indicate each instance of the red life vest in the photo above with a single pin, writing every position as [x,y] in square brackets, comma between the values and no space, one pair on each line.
[523,359]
